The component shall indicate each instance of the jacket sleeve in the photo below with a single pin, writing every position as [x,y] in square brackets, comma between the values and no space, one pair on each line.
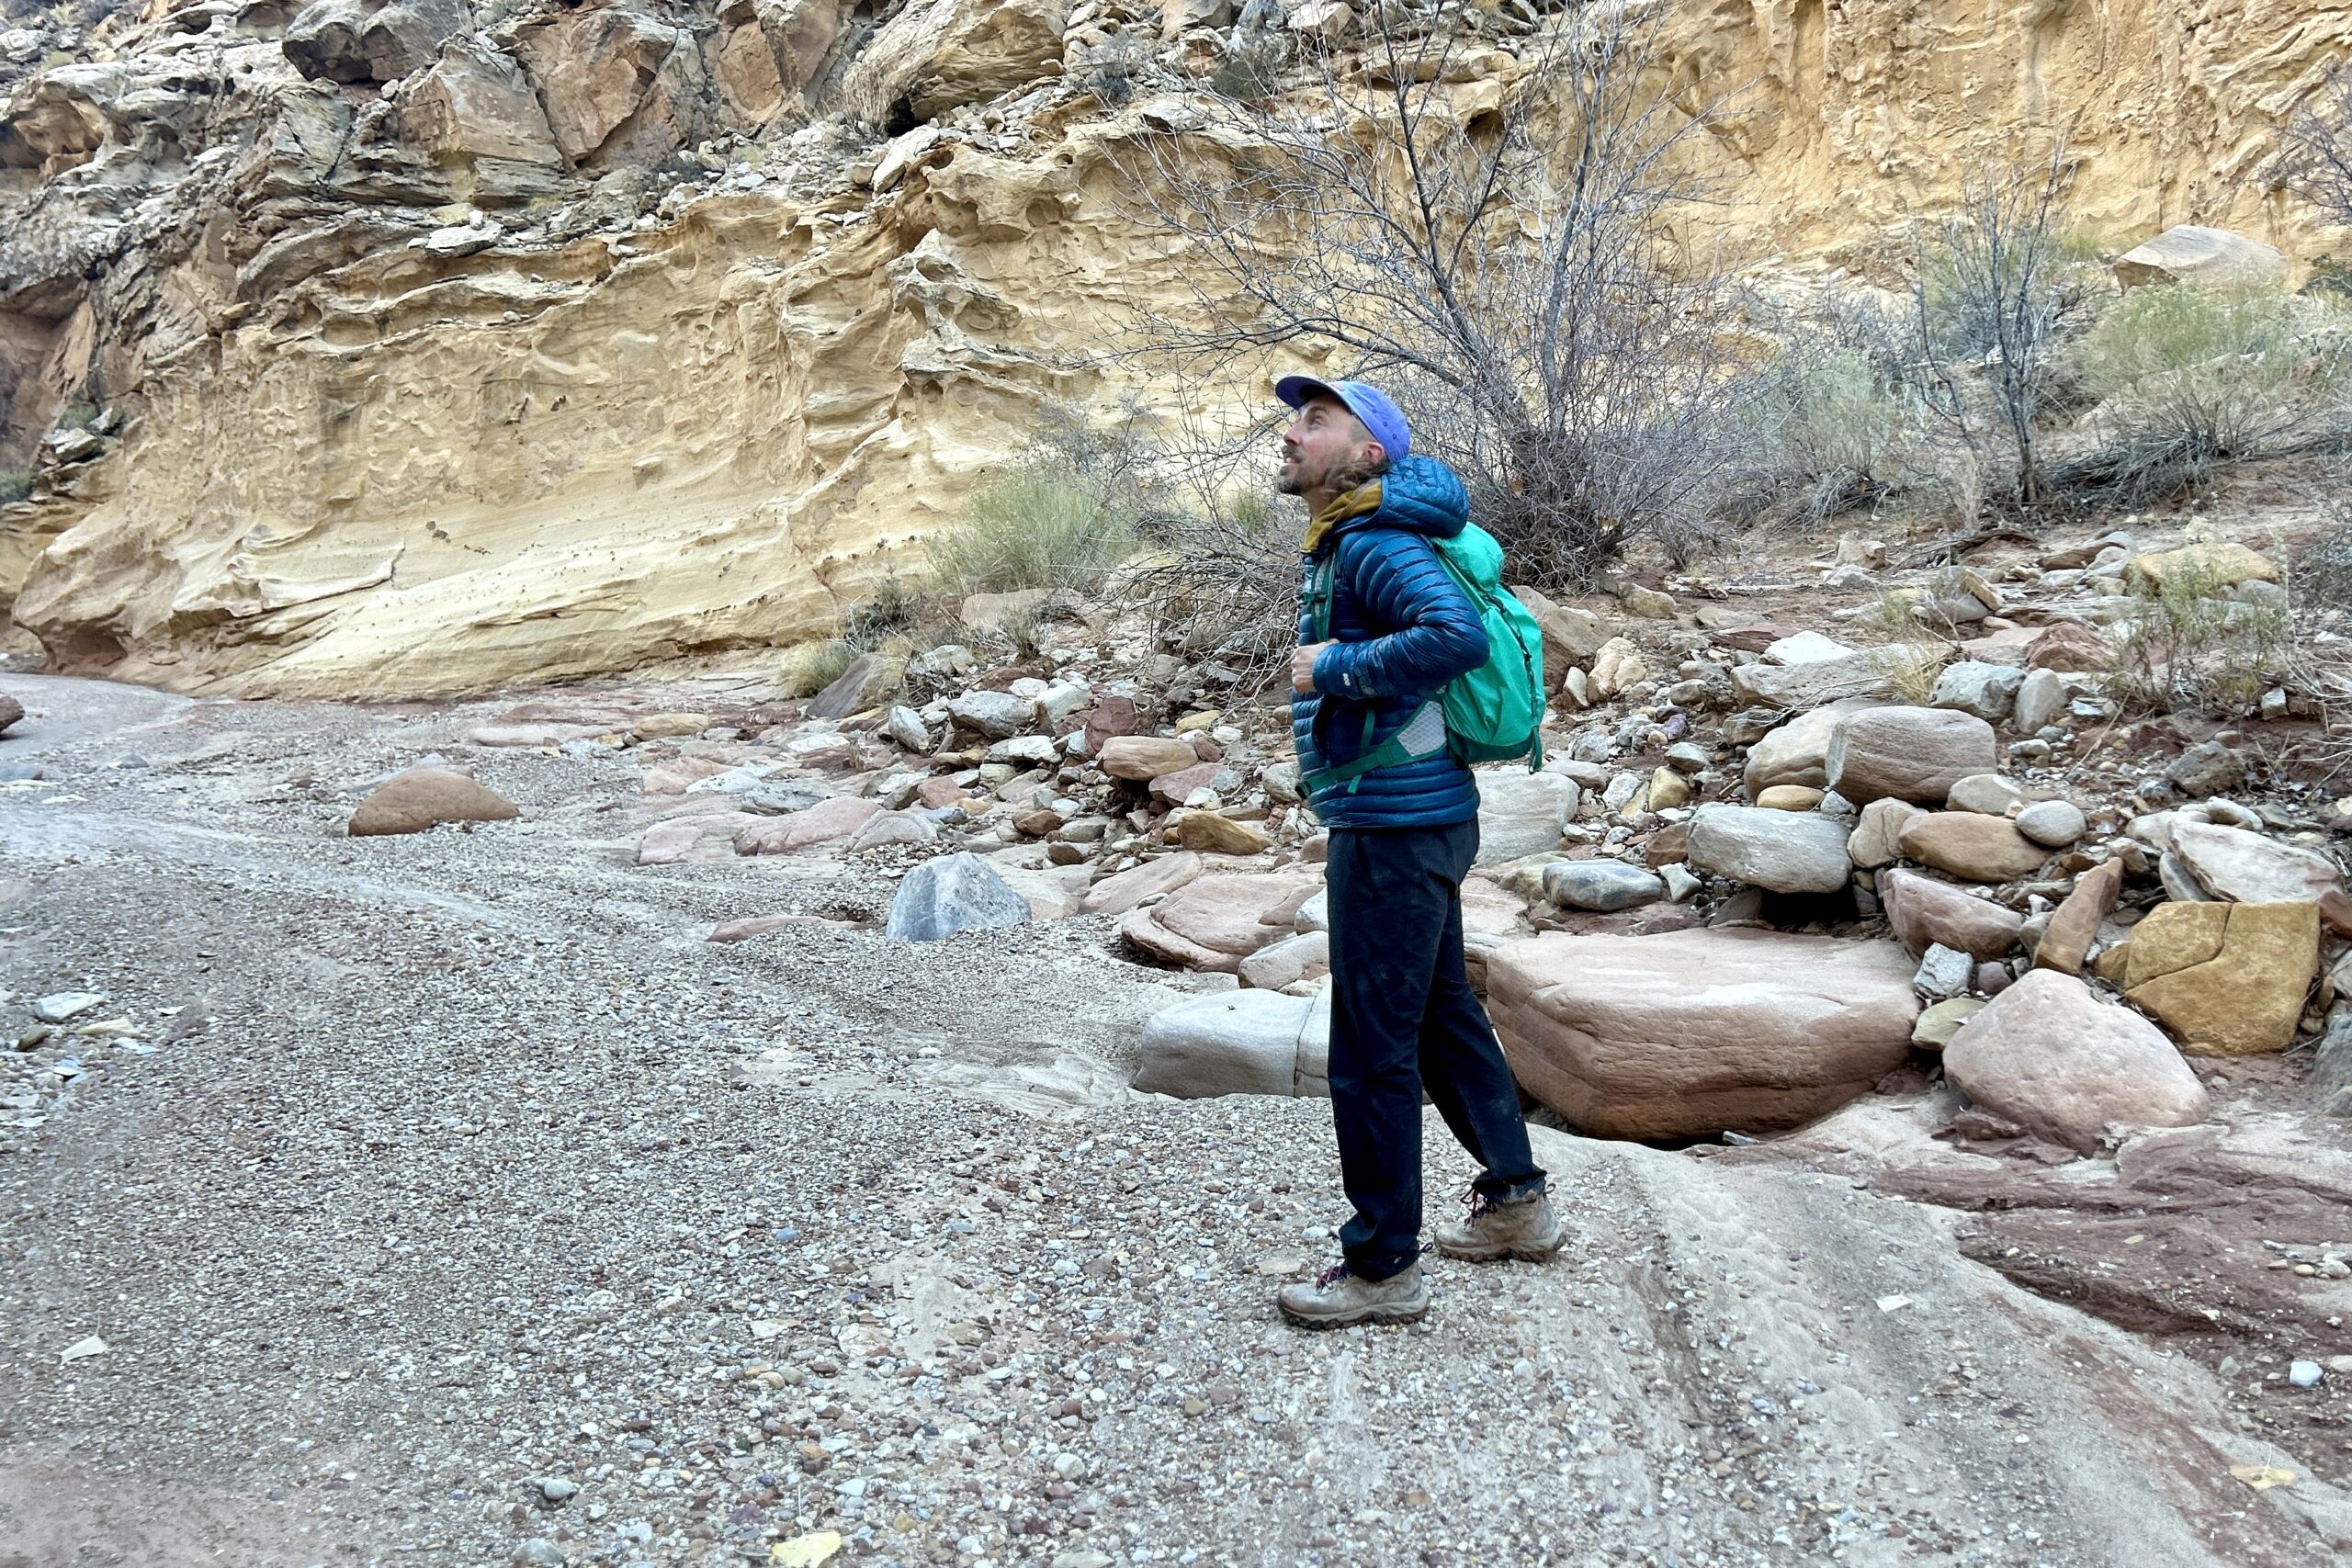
[1395,575]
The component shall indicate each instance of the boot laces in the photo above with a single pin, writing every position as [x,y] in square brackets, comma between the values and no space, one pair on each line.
[1478,1202]
[1331,1276]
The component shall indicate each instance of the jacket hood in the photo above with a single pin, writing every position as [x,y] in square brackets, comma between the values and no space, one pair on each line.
[1421,494]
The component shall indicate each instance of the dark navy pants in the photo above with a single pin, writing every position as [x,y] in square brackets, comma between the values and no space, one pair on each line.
[1404,1019]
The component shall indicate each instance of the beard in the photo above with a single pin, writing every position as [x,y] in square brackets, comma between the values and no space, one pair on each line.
[1292,478]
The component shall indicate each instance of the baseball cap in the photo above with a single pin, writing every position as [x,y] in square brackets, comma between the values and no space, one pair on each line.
[1368,403]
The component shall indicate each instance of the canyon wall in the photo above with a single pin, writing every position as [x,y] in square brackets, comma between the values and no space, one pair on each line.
[392,349]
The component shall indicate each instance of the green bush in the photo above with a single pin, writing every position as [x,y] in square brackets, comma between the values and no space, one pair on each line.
[1039,524]
[2190,379]
[810,667]
[1832,427]
[15,485]
[2191,646]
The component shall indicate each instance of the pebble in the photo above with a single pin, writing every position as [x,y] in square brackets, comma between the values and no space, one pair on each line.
[558,1489]
[2305,1374]
[60,1006]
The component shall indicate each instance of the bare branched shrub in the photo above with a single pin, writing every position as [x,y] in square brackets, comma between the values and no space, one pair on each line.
[1997,286]
[2317,155]
[1518,272]
[1829,424]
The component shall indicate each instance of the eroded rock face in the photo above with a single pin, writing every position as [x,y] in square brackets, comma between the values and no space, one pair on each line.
[1687,1034]
[2050,1057]
[659,398]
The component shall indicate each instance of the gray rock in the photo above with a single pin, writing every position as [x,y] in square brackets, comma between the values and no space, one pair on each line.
[1679,882]
[994,714]
[2209,768]
[1237,1042]
[1787,851]
[950,894]
[1686,757]
[1989,690]
[2305,1374]
[1988,794]
[2041,701]
[1287,961]
[2055,824]
[781,797]
[906,727]
[60,1006]
[2331,1080]
[558,1489]
[1806,648]
[2180,885]
[1944,973]
[1283,785]
[1600,885]
[1520,813]
[1915,754]
[2248,868]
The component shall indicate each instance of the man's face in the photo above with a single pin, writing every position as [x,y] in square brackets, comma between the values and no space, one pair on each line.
[1324,440]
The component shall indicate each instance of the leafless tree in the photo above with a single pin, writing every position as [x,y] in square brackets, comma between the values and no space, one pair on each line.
[1994,292]
[2317,161]
[1516,256]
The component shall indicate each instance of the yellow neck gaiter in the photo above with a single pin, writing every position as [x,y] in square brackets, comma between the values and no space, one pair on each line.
[1357,503]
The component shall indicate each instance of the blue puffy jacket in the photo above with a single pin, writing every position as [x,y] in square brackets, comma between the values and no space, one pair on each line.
[1401,628]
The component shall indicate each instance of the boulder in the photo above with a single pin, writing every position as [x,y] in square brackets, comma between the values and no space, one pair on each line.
[2248,868]
[1943,974]
[950,894]
[2191,253]
[2220,564]
[1806,648]
[1989,795]
[616,83]
[1790,797]
[667,842]
[1520,813]
[2069,645]
[1864,674]
[1694,1032]
[1782,851]
[421,798]
[1109,717]
[907,729]
[871,680]
[1970,845]
[1600,885]
[933,56]
[1877,838]
[826,820]
[2065,942]
[1915,754]
[2053,824]
[1214,922]
[988,612]
[1616,665]
[1306,956]
[2208,768]
[2331,1080]
[1571,635]
[11,712]
[1142,757]
[1989,690]
[2051,1057]
[2040,702]
[476,105]
[1242,1041]
[1117,894]
[1938,1023]
[1798,751]
[1924,913]
[1212,832]
[999,714]
[2228,979]
[894,827]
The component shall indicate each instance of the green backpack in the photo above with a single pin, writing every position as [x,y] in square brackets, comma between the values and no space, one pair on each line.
[1493,712]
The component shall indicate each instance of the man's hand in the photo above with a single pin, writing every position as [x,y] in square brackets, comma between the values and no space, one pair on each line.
[1302,667]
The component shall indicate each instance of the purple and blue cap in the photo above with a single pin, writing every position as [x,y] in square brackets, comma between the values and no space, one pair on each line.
[1379,413]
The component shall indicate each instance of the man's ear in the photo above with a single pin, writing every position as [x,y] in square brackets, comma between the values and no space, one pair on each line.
[1375,455]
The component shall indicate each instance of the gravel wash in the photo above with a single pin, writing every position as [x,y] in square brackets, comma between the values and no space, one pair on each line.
[449,1200]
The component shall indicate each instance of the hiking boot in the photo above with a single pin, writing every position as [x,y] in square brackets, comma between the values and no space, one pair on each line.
[1525,1228]
[1339,1298]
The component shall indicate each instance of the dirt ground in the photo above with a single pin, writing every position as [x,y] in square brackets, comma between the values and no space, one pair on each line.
[451,1200]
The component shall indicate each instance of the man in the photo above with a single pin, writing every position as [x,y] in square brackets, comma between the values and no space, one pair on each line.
[1403,1016]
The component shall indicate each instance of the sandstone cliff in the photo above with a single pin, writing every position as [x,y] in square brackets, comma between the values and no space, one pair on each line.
[394,348]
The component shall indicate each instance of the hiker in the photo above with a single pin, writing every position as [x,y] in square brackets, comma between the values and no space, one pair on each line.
[1384,627]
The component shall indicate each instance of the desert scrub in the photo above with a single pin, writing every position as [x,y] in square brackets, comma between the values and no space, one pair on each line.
[1037,525]
[1829,426]
[2192,644]
[810,667]
[15,485]
[2189,379]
